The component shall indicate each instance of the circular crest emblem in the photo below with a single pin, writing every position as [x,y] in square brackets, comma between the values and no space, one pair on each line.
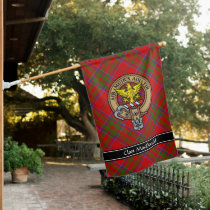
[130,98]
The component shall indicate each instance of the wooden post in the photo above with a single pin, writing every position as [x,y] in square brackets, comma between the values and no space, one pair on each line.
[1,101]
[180,142]
[188,189]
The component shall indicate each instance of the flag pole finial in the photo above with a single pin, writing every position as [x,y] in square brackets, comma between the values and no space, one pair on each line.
[162,44]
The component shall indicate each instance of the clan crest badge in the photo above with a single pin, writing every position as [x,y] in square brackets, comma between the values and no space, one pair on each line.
[130,98]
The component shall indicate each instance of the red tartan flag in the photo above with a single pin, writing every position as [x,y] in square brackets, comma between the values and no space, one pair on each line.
[128,101]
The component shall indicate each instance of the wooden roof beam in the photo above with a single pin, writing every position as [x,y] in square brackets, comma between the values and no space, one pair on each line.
[24,21]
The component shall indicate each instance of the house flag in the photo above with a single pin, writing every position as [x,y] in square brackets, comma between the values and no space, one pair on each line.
[128,101]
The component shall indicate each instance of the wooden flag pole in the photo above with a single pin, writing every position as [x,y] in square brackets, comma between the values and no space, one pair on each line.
[9,84]
[51,73]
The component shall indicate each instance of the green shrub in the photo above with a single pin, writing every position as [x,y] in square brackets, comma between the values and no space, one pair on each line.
[16,156]
[138,198]
[199,183]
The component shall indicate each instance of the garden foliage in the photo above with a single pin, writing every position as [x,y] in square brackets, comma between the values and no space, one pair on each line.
[138,196]
[16,156]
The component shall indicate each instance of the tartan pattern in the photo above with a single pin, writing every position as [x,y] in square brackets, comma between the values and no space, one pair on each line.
[99,74]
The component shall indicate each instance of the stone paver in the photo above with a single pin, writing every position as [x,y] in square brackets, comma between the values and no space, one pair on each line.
[63,187]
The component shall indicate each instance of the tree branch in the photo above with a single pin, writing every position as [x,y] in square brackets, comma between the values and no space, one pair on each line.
[39,104]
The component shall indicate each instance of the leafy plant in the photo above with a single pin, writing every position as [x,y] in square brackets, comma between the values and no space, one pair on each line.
[138,197]
[18,156]
[199,182]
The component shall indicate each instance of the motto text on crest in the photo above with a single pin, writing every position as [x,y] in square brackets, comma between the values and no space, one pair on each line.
[130,98]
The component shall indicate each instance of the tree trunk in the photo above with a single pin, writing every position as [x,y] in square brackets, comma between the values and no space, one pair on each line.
[90,128]
[92,135]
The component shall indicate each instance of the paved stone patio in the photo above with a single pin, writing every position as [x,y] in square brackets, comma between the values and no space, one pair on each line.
[64,185]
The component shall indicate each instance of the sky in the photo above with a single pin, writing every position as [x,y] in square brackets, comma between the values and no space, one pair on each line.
[203,22]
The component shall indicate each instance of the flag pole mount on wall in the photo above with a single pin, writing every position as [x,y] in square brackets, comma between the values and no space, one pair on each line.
[7,85]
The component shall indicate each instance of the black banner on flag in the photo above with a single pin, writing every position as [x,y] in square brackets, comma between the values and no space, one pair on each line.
[138,148]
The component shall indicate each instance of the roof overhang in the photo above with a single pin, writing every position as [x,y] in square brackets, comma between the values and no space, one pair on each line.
[23,21]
